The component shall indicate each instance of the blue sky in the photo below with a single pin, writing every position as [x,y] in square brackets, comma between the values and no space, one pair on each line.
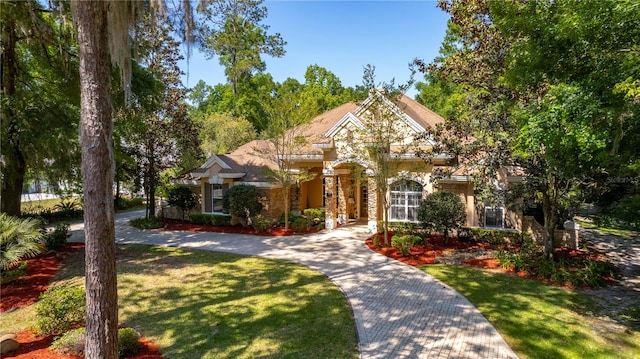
[343,37]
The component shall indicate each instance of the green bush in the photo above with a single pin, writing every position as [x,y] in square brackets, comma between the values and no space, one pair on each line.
[442,211]
[316,215]
[126,203]
[70,343]
[300,224]
[183,198]
[55,240]
[261,224]
[18,240]
[580,272]
[407,228]
[404,243]
[146,223]
[128,342]
[243,201]
[212,219]
[60,309]
[497,236]
[73,342]
[10,275]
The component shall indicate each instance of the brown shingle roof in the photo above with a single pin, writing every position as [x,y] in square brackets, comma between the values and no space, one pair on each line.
[419,113]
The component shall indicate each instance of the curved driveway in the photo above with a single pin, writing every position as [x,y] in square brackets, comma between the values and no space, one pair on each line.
[400,312]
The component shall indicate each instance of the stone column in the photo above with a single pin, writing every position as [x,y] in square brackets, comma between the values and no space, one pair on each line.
[372,205]
[330,202]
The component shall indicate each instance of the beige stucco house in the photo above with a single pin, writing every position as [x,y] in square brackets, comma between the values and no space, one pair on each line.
[338,153]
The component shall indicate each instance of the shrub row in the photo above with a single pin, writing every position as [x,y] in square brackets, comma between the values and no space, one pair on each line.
[494,236]
[212,219]
[580,272]
[146,223]
[404,243]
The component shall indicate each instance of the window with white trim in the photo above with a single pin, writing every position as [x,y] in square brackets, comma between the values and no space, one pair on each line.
[405,200]
[216,197]
[494,217]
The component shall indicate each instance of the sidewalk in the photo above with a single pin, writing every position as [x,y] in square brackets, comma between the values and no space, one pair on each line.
[400,312]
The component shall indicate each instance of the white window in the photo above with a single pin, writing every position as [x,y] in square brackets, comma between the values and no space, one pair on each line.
[405,200]
[494,217]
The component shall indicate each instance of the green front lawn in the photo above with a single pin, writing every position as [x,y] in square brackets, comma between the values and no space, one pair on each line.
[197,304]
[538,320]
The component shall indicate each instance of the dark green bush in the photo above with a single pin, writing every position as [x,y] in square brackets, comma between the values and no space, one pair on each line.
[183,198]
[126,203]
[407,228]
[243,201]
[128,342]
[60,309]
[10,275]
[404,243]
[442,211]
[301,224]
[261,224]
[73,342]
[497,236]
[146,223]
[55,240]
[316,215]
[212,219]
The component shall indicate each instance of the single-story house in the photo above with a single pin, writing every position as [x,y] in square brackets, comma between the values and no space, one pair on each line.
[344,182]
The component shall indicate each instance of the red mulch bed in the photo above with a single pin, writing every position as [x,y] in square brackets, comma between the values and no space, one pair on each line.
[27,289]
[177,225]
[426,254]
[423,254]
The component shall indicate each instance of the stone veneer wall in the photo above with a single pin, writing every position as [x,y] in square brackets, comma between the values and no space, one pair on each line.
[567,237]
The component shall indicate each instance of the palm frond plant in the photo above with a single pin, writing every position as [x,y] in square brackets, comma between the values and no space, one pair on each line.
[19,239]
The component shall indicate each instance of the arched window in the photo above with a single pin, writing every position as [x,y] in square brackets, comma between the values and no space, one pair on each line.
[405,200]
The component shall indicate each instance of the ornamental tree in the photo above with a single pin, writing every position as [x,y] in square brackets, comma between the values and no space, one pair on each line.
[442,211]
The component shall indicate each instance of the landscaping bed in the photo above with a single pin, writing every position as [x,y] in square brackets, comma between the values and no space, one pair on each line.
[26,291]
[567,264]
[178,225]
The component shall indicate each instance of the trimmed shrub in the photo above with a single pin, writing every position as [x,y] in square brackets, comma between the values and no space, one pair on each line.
[300,224]
[73,342]
[60,309]
[243,201]
[261,224]
[406,228]
[55,240]
[128,342]
[497,236]
[146,223]
[212,219]
[183,198]
[442,211]
[404,243]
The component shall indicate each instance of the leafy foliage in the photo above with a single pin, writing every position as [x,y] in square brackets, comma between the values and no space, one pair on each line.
[183,198]
[55,240]
[212,219]
[18,240]
[442,211]
[146,223]
[73,342]
[243,201]
[405,242]
[60,309]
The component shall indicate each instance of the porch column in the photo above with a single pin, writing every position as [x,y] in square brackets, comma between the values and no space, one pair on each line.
[330,202]
[372,205]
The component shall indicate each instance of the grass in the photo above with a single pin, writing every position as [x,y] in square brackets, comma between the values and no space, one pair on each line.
[611,230]
[39,205]
[196,304]
[537,320]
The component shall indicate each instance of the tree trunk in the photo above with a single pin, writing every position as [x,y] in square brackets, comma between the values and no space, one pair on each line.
[550,224]
[14,171]
[14,167]
[286,209]
[96,133]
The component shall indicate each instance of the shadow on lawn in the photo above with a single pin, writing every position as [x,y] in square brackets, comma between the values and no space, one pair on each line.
[199,303]
[542,332]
